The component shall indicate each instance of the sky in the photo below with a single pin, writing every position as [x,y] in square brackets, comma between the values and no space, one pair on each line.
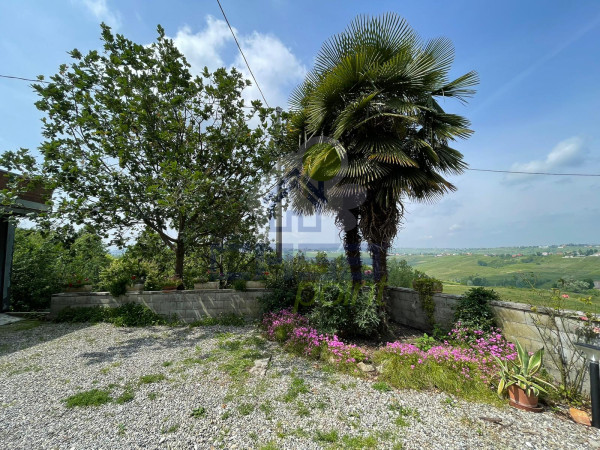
[536,107]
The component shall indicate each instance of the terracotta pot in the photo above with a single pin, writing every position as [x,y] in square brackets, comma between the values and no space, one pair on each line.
[519,399]
[255,284]
[169,288]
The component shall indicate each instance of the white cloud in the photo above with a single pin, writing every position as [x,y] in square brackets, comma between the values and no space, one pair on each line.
[203,49]
[100,9]
[275,67]
[455,227]
[568,153]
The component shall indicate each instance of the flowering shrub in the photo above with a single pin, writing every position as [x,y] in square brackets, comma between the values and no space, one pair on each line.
[463,365]
[279,325]
[293,331]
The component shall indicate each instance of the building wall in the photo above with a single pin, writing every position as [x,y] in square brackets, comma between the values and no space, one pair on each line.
[188,306]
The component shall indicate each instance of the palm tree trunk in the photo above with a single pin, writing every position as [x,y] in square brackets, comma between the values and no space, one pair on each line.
[352,241]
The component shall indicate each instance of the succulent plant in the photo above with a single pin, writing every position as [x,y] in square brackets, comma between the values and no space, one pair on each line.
[522,372]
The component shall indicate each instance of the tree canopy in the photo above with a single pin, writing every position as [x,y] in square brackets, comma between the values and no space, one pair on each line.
[134,140]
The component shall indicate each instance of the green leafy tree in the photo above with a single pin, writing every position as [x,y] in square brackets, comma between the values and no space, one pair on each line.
[133,140]
[375,90]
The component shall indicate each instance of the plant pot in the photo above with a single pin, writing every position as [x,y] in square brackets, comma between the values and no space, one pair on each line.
[255,284]
[207,285]
[169,288]
[519,399]
[139,287]
[82,288]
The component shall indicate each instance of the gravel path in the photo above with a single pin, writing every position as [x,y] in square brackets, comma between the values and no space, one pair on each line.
[157,377]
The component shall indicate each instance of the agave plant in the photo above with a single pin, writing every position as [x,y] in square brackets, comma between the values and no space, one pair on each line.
[522,372]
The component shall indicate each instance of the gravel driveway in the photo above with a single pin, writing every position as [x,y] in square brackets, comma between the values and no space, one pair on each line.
[190,388]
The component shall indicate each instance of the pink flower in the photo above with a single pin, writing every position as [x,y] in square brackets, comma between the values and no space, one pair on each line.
[368,272]
[565,296]
[584,318]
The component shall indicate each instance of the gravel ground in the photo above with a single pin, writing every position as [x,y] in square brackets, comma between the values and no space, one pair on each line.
[294,405]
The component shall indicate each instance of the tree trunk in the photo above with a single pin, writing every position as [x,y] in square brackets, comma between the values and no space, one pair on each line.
[352,240]
[179,257]
[379,253]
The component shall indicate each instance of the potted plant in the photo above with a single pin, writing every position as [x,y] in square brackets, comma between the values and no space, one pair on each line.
[519,379]
[136,284]
[76,283]
[257,281]
[208,281]
[170,284]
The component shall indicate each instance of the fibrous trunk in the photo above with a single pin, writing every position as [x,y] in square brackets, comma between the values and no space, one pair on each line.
[352,240]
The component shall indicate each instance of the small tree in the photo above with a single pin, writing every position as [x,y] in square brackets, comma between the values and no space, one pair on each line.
[133,140]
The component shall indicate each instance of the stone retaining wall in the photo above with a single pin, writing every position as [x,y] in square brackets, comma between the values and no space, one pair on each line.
[188,306]
[515,319]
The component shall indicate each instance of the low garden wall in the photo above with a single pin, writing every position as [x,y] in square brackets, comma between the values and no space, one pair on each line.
[515,319]
[188,306]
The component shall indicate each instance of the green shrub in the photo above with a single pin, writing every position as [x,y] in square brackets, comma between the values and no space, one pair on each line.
[231,319]
[425,342]
[339,309]
[239,285]
[473,309]
[127,315]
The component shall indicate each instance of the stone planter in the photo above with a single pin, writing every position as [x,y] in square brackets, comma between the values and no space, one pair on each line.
[255,284]
[82,288]
[139,287]
[207,285]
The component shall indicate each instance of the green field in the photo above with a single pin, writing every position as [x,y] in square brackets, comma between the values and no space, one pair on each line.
[498,271]
[530,297]
[512,278]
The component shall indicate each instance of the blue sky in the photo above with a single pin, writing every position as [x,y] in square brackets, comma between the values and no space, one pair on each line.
[536,108]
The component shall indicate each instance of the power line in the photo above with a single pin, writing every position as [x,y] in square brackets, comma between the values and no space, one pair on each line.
[539,173]
[242,53]
[23,79]
[261,93]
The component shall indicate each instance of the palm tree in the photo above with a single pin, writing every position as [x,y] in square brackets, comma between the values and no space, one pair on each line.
[375,89]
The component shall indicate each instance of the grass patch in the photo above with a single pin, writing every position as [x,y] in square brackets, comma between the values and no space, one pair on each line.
[226,415]
[126,396]
[94,397]
[127,315]
[232,320]
[152,378]
[21,325]
[199,412]
[302,410]
[297,387]
[358,442]
[108,368]
[326,436]
[404,374]
[381,386]
[152,395]
[245,409]
[171,429]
